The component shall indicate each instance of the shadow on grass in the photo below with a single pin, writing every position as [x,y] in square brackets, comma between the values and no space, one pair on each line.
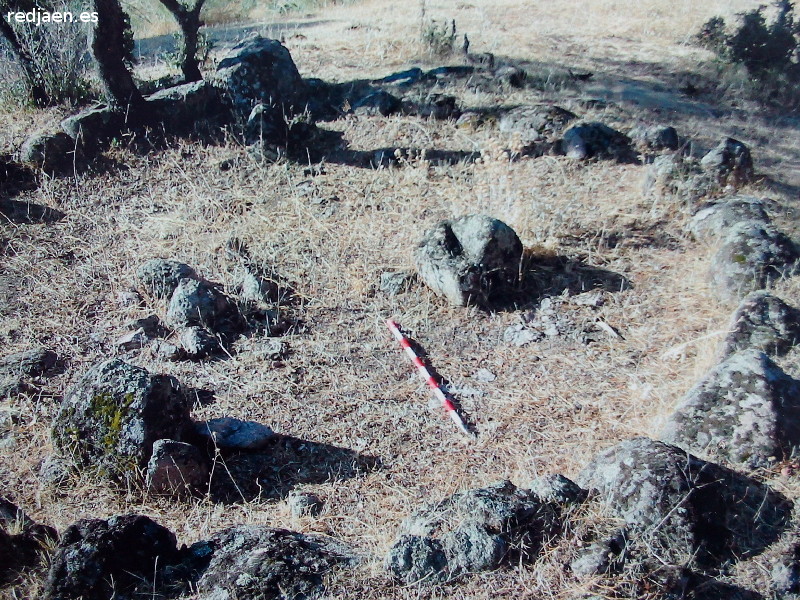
[21,213]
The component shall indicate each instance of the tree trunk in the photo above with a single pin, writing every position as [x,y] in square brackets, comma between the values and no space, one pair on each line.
[38,93]
[189,22]
[108,48]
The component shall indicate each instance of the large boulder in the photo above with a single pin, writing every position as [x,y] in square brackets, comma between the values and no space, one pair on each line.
[196,303]
[470,260]
[255,562]
[184,108]
[596,140]
[716,219]
[730,162]
[22,541]
[260,70]
[94,128]
[685,510]
[534,123]
[762,322]
[110,419]
[122,557]
[752,256]
[745,410]
[470,532]
[51,152]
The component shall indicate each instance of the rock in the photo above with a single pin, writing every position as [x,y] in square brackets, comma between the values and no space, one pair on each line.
[254,562]
[266,125]
[519,335]
[54,472]
[654,138]
[681,177]
[675,583]
[557,488]
[260,70]
[395,282]
[484,375]
[302,504]
[730,162]
[176,469]
[596,140]
[717,218]
[600,558]
[472,259]
[535,123]
[110,419]
[51,152]
[786,572]
[231,434]
[22,542]
[198,343]
[472,531]
[182,108]
[165,350]
[133,340]
[688,511]
[93,129]
[196,303]
[119,557]
[160,278]
[259,289]
[151,325]
[745,410]
[433,106]
[511,76]
[751,257]
[30,363]
[378,103]
[762,322]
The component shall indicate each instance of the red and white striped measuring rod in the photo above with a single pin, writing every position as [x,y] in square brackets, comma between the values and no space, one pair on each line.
[447,404]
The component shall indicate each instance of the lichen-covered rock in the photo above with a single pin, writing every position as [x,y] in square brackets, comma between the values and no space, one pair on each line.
[229,434]
[596,140]
[304,504]
[600,558]
[253,562]
[655,137]
[160,277]
[559,489]
[762,322]
[535,123]
[752,256]
[688,511]
[472,531]
[110,419]
[470,260]
[176,469]
[746,410]
[121,558]
[199,343]
[679,177]
[716,219]
[183,108]
[196,303]
[260,70]
[22,541]
[730,162]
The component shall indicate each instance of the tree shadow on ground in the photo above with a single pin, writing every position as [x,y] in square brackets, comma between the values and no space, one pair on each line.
[26,213]
[277,470]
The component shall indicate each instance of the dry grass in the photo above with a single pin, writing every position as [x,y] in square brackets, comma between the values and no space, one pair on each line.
[345,383]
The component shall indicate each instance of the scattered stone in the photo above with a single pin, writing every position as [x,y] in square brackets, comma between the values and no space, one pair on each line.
[160,277]
[519,335]
[717,218]
[133,340]
[751,257]
[745,410]
[730,162]
[54,472]
[231,434]
[304,504]
[122,557]
[51,152]
[472,259]
[596,140]
[535,123]
[22,542]
[196,303]
[128,299]
[151,325]
[433,106]
[396,282]
[762,322]
[198,343]
[110,419]
[688,511]
[471,531]
[176,469]
[259,289]
[655,138]
[378,103]
[261,563]
[511,76]
[786,572]
[681,177]
[94,128]
[165,350]
[30,363]
[600,558]
[559,489]
[484,375]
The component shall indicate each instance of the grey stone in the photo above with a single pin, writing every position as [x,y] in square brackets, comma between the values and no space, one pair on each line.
[110,419]
[302,504]
[730,162]
[30,363]
[94,128]
[535,123]
[484,375]
[417,559]
[227,433]
[600,558]
[196,303]
[786,572]
[176,469]
[121,557]
[55,472]
[745,410]
[519,335]
[266,125]
[380,103]
[133,340]
[179,109]
[717,219]
[257,288]
[472,259]
[752,256]
[51,152]
[559,489]
[198,343]
[253,562]
[395,282]
[470,548]
[165,350]
[762,322]
[688,511]
[160,277]
[655,137]
[595,140]
[260,70]
[679,177]
[22,542]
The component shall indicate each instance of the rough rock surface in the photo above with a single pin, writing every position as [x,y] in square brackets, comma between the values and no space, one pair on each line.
[176,468]
[380,103]
[730,162]
[184,108]
[752,256]
[535,123]
[595,140]
[745,410]
[21,541]
[30,363]
[717,218]
[160,277]
[110,419]
[304,504]
[94,128]
[559,489]
[252,562]
[471,259]
[227,433]
[655,137]
[762,322]
[688,511]
[51,152]
[199,343]
[472,531]
[673,175]
[196,303]
[600,558]
[99,559]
